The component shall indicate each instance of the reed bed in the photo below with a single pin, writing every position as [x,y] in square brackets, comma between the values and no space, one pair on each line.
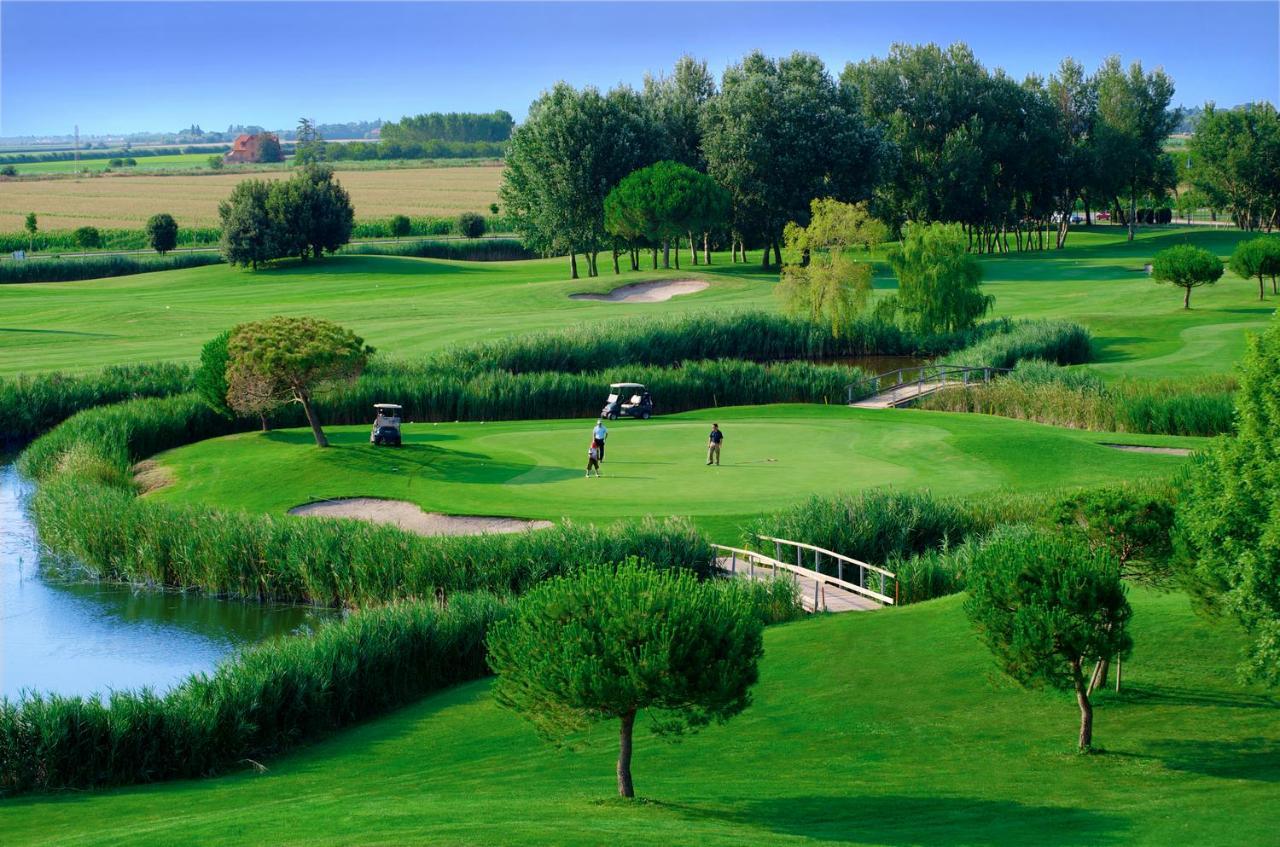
[30,405]
[1060,342]
[97,267]
[1078,399]
[470,250]
[266,700]
[117,536]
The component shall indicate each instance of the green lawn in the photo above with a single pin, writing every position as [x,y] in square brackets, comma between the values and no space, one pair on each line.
[886,728]
[774,456]
[413,306]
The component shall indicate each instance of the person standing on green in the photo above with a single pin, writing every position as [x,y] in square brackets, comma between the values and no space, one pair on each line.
[713,445]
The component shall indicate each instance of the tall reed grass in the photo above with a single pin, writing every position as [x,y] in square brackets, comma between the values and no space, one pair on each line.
[264,701]
[96,267]
[1078,399]
[30,405]
[470,250]
[1060,342]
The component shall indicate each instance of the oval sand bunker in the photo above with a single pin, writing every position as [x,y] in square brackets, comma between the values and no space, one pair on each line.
[647,292]
[410,517]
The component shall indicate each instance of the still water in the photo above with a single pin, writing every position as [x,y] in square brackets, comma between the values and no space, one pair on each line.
[75,637]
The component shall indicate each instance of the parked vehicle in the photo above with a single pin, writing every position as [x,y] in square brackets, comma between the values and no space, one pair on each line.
[628,399]
[386,426]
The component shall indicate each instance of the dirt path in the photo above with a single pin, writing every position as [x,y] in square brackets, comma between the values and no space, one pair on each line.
[409,516]
[647,292]
[1139,448]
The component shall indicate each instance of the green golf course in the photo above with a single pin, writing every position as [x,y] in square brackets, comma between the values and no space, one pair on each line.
[774,456]
[408,307]
[884,728]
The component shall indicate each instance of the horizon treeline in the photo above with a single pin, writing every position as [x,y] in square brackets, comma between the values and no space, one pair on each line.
[924,134]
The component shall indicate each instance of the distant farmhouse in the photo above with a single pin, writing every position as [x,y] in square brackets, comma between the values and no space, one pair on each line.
[263,147]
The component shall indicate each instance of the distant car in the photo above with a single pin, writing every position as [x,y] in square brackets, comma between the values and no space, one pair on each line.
[628,399]
[386,426]
[1103,216]
[1076,219]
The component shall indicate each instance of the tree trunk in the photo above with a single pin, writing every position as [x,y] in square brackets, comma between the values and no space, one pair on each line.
[1099,677]
[616,269]
[1186,300]
[777,253]
[655,258]
[677,251]
[666,254]
[1133,212]
[625,786]
[266,427]
[764,257]
[1262,293]
[706,251]
[573,265]
[305,400]
[693,249]
[1086,708]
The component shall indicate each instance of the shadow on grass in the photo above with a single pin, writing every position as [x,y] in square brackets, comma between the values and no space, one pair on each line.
[898,819]
[1255,759]
[1165,695]
[1108,349]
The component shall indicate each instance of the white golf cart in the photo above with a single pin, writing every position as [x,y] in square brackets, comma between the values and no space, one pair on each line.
[628,399]
[386,426]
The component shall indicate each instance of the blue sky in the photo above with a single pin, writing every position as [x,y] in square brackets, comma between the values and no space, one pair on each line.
[117,67]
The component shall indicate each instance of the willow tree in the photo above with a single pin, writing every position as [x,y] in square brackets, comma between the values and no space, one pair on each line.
[829,285]
[939,282]
[611,642]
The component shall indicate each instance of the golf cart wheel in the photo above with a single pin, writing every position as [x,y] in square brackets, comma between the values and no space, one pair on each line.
[644,416]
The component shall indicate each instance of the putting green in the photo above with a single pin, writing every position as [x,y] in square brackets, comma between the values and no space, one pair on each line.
[774,456]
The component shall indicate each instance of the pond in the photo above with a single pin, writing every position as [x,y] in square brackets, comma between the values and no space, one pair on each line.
[76,637]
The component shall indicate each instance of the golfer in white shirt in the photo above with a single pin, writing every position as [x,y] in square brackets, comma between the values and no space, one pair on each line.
[600,434]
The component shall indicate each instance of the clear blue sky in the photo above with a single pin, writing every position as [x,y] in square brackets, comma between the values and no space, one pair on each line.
[118,67]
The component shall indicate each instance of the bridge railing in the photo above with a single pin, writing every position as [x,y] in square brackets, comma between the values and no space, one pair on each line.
[920,375]
[749,561]
[861,574]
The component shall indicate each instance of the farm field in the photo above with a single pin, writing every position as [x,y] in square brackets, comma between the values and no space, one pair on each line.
[126,201]
[408,307]
[144,163]
[774,457]
[887,728]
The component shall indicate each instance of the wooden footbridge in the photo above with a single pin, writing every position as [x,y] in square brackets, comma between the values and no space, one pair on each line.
[822,587]
[906,385]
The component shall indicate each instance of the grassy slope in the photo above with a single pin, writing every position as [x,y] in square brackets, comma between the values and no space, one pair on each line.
[885,728]
[412,306]
[774,456]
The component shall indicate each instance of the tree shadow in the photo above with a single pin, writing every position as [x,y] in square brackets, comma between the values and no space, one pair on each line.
[1166,695]
[1109,349]
[899,819]
[1255,759]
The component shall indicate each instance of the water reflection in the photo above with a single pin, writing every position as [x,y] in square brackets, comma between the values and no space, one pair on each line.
[83,637]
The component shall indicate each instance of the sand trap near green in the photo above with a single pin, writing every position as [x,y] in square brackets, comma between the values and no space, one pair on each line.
[774,456]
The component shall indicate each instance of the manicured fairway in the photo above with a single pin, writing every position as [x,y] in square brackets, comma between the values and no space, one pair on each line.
[774,456]
[883,728]
[408,307]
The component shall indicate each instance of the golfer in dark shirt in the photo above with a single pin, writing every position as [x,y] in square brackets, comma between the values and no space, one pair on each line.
[713,445]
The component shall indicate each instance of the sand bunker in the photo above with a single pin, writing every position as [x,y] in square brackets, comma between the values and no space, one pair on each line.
[1139,448]
[409,516]
[647,292]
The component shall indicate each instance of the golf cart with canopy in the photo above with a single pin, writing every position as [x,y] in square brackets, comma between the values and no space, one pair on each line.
[386,426]
[628,399]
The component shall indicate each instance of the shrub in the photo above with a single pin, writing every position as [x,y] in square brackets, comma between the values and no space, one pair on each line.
[470,225]
[400,226]
[489,250]
[162,232]
[264,701]
[88,238]
[8,170]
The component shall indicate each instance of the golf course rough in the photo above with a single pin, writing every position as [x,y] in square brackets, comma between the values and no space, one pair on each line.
[774,456]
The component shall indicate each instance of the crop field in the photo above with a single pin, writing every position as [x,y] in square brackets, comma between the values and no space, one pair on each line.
[144,163]
[774,457]
[407,307]
[126,201]
[884,728]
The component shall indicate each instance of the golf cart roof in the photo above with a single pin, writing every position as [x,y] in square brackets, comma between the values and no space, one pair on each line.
[626,385]
[387,406]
